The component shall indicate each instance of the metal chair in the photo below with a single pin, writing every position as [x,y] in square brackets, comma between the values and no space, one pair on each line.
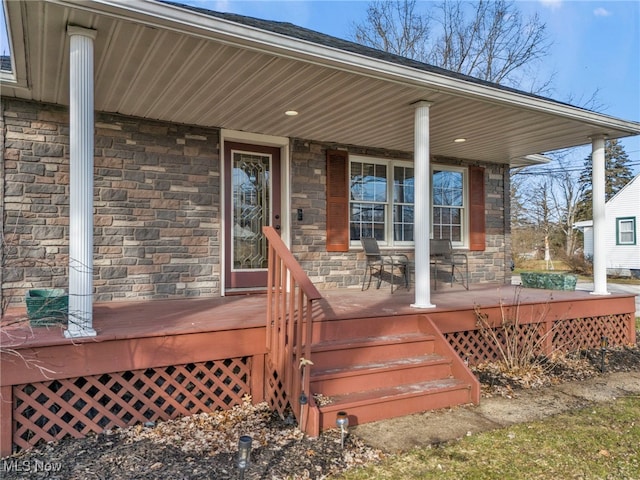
[441,253]
[383,265]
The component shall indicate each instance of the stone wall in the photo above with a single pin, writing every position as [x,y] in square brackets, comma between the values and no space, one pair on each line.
[157,208]
[493,265]
[308,239]
[36,210]
[332,269]
[156,199]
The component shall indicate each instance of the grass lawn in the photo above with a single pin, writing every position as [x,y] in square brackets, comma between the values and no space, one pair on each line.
[600,442]
[561,267]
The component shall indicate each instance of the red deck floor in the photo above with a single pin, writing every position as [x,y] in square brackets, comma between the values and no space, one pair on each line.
[137,319]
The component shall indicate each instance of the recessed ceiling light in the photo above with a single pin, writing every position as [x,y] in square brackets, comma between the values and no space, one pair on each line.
[291,113]
[460,140]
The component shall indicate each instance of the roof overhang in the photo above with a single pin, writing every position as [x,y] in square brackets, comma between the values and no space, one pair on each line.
[583,224]
[163,62]
[529,160]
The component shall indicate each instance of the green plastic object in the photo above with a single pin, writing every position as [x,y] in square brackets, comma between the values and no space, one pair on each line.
[549,281]
[47,306]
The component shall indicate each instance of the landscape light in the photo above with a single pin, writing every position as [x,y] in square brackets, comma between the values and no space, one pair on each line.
[604,343]
[303,403]
[244,454]
[342,422]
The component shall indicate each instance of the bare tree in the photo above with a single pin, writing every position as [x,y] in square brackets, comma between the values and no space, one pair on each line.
[396,27]
[490,40]
[543,211]
[549,197]
[566,196]
[519,211]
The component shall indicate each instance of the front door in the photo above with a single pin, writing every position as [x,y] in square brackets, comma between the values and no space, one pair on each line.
[252,201]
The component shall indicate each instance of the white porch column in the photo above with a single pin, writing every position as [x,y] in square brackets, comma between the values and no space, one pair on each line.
[422,217]
[599,225]
[81,137]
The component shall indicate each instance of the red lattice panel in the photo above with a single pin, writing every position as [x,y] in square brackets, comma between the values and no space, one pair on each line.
[74,407]
[275,394]
[474,347]
[567,335]
[471,346]
[581,333]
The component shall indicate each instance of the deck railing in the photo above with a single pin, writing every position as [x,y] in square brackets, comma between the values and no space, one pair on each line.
[290,297]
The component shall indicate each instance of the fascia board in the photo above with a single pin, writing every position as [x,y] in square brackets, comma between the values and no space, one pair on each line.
[583,223]
[187,21]
[528,161]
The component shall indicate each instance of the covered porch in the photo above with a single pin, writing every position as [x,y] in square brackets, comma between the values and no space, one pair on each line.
[147,151]
[234,80]
[154,360]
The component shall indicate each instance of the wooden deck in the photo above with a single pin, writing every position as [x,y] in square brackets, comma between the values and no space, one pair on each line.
[154,360]
[161,318]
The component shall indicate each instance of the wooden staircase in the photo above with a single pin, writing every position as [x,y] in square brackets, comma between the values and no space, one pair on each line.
[377,368]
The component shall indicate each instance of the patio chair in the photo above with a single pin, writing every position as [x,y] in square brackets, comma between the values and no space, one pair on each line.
[442,254]
[383,266]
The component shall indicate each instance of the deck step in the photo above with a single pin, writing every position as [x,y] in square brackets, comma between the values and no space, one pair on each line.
[357,351]
[370,375]
[380,403]
[365,341]
[374,370]
[378,326]
[395,364]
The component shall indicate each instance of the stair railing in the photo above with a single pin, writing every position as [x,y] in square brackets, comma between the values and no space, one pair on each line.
[290,297]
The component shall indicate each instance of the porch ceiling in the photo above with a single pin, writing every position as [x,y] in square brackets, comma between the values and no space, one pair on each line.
[161,62]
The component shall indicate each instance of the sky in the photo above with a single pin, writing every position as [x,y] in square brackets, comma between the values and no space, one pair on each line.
[596,46]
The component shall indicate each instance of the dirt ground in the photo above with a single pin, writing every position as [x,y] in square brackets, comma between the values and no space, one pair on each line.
[204,446]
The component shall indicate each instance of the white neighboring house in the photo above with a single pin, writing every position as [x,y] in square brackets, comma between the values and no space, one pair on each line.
[622,242]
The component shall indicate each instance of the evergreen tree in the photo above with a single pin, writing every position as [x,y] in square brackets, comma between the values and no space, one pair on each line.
[617,175]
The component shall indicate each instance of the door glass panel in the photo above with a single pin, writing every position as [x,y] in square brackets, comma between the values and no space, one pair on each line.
[251,202]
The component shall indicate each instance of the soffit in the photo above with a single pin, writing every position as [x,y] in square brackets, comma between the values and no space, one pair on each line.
[159,71]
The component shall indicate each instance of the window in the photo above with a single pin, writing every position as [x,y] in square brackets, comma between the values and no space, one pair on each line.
[375,197]
[381,200]
[403,204]
[626,231]
[449,204]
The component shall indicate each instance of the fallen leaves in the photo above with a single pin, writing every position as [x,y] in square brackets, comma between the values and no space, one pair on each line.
[499,380]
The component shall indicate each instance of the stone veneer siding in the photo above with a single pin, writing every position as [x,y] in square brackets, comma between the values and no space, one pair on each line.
[156,199]
[157,208]
[337,270]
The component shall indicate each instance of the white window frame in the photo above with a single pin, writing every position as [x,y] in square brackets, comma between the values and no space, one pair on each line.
[619,231]
[464,234]
[390,165]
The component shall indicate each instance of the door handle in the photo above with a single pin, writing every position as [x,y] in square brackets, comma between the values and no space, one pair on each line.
[277,227]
